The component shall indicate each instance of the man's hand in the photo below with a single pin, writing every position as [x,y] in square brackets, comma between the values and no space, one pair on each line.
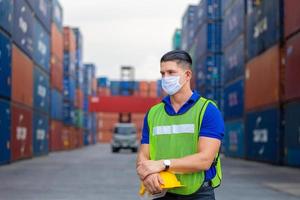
[152,183]
[148,167]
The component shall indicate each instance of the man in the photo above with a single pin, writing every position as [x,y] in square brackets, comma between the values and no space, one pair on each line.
[181,134]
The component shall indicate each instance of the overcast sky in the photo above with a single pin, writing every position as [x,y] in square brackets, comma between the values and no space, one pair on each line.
[126,32]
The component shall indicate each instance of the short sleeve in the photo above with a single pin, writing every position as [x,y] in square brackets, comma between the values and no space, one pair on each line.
[145,131]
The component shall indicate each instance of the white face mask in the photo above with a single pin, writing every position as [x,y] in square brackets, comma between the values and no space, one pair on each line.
[171,84]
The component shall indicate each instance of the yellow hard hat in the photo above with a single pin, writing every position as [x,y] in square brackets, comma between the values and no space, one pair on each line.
[170,181]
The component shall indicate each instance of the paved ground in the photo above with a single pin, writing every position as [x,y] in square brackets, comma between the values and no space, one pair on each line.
[94,173]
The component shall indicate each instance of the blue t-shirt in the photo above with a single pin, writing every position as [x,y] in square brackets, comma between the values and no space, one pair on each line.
[212,123]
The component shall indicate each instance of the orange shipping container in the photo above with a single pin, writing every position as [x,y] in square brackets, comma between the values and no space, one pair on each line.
[105,137]
[69,40]
[144,86]
[56,143]
[79,99]
[57,44]
[262,85]
[66,138]
[94,85]
[22,78]
[56,73]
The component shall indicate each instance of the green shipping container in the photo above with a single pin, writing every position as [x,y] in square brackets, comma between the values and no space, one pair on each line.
[177,40]
[79,115]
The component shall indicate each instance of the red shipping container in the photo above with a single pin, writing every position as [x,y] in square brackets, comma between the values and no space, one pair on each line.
[56,143]
[262,79]
[56,73]
[292,79]
[22,78]
[21,132]
[66,138]
[153,85]
[57,44]
[291,17]
[72,137]
[69,40]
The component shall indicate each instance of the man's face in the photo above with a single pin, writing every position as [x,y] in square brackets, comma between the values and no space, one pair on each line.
[170,68]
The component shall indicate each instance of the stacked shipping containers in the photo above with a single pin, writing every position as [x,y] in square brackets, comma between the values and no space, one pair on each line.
[176,41]
[233,37]
[292,80]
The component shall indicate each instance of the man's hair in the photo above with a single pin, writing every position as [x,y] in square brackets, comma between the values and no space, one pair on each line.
[179,56]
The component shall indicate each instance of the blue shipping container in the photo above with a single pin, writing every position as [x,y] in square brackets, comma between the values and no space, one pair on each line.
[208,10]
[69,63]
[263,25]
[264,136]
[40,134]
[209,39]
[234,100]
[23,27]
[69,88]
[292,134]
[5,66]
[235,139]
[42,10]
[56,105]
[234,60]
[89,71]
[69,117]
[6,15]
[188,27]
[115,88]
[85,103]
[5,124]
[79,79]
[41,53]
[57,14]
[87,137]
[41,93]
[233,22]
[102,82]
[226,4]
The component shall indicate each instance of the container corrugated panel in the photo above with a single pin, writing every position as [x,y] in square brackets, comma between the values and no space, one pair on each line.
[263,25]
[5,122]
[208,10]
[85,103]
[57,45]
[21,132]
[23,27]
[234,100]
[115,88]
[262,78]
[233,22]
[55,135]
[235,139]
[69,40]
[6,15]
[69,63]
[69,88]
[102,82]
[188,27]
[87,121]
[79,79]
[56,105]
[42,10]
[234,60]
[41,44]
[66,137]
[69,117]
[209,38]
[41,93]
[5,66]
[22,78]
[89,71]
[40,134]
[291,17]
[79,116]
[57,14]
[292,133]
[87,137]
[227,4]
[292,80]
[263,135]
[79,48]
[56,73]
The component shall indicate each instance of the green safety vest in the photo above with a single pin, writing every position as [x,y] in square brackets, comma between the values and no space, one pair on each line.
[177,136]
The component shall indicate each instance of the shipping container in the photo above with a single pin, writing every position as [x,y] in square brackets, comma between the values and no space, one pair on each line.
[56,105]
[264,135]
[144,86]
[176,41]
[21,132]
[79,49]
[5,66]
[227,4]
[103,82]
[85,103]
[262,79]
[66,137]
[79,116]
[79,79]
[208,10]
[69,88]
[40,134]
[23,27]
[264,26]
[115,88]
[87,137]
[234,139]
[291,17]
[188,27]
[56,142]
[69,40]
[292,134]
[292,80]
[160,91]
[57,14]
[42,11]
[56,74]
[41,44]
[69,117]
[5,129]
[209,39]
[234,60]
[41,93]
[57,45]
[69,64]
[6,15]
[233,22]
[105,137]
[234,100]
[22,78]
[79,99]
